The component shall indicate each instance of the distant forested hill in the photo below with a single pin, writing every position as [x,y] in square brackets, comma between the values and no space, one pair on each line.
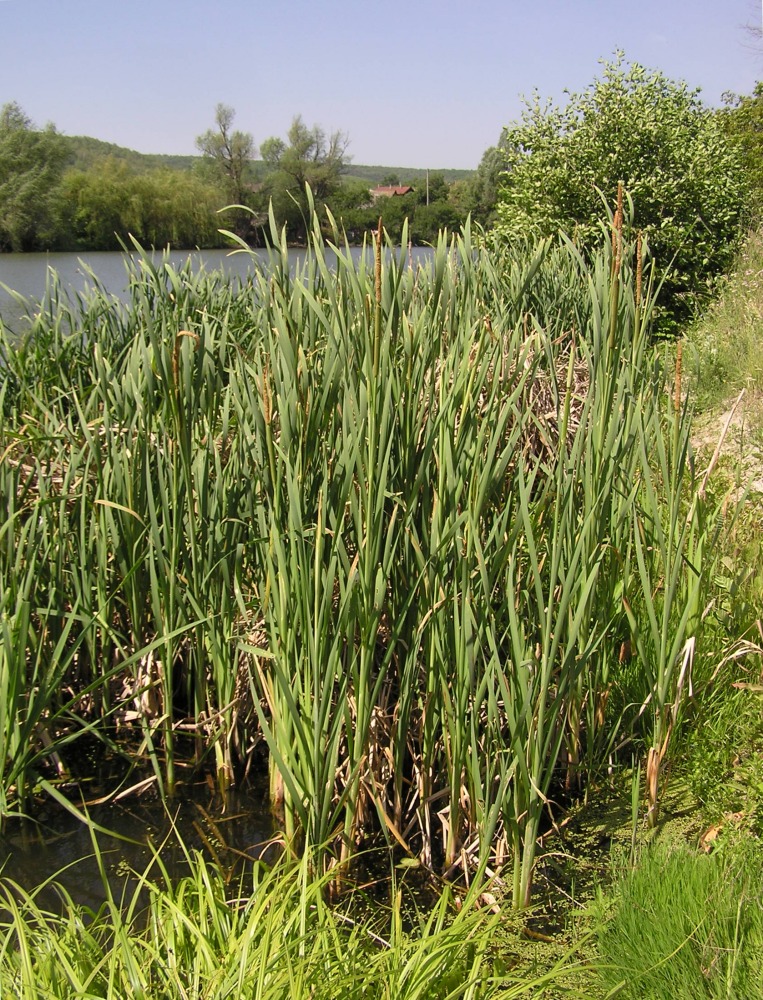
[84,152]
[376,174]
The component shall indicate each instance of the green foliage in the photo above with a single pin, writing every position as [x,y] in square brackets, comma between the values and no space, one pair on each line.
[742,121]
[308,158]
[31,163]
[229,155]
[101,208]
[83,151]
[271,935]
[725,758]
[725,340]
[478,194]
[654,134]
[687,926]
[389,521]
[374,175]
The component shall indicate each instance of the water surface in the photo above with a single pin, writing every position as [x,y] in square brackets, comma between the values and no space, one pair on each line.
[28,274]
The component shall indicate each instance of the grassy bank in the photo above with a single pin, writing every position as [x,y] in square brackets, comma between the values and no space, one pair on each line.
[273,935]
[686,920]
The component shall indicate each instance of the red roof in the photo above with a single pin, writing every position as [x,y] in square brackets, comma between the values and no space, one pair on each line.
[391,190]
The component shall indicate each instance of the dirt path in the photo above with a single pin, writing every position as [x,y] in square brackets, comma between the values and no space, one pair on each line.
[738,429]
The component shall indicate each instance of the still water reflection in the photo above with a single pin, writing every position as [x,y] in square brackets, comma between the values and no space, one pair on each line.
[59,846]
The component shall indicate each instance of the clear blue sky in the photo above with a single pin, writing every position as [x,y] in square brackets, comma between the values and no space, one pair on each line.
[427,83]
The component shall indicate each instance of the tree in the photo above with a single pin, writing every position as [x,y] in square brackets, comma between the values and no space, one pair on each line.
[107,203]
[669,150]
[742,120]
[31,165]
[230,153]
[308,157]
[477,195]
[435,188]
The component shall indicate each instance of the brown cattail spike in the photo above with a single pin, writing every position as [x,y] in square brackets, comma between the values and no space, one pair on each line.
[617,229]
[267,405]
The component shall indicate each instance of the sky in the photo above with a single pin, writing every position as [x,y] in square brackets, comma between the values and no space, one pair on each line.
[425,83]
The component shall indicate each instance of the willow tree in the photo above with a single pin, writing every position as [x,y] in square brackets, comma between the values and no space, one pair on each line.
[31,164]
[309,157]
[229,153]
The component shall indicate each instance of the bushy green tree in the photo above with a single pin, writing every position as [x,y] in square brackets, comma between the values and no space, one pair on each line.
[99,208]
[670,151]
[308,157]
[227,156]
[477,195]
[31,164]
[229,153]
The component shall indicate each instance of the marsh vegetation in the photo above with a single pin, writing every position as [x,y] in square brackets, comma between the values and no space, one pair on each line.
[433,538]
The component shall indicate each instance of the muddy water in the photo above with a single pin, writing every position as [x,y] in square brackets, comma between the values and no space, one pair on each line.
[58,847]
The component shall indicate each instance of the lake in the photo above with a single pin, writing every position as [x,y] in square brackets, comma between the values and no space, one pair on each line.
[28,273]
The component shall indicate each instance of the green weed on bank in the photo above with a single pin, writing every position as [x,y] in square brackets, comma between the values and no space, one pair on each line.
[686,925]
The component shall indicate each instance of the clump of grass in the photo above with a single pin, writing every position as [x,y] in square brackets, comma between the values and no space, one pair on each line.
[400,524]
[686,925]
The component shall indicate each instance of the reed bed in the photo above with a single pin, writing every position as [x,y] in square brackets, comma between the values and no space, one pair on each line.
[433,534]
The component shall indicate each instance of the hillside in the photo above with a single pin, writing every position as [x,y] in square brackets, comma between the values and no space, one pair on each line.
[375,174]
[84,151]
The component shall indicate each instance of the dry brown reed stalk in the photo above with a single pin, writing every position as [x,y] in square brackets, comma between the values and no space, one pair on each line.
[719,446]
[32,468]
[544,395]
[546,399]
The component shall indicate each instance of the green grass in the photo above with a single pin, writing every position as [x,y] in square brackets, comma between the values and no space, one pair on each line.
[439,538]
[398,522]
[270,935]
[685,925]
[725,341]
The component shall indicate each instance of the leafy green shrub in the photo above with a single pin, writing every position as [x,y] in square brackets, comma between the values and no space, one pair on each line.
[655,135]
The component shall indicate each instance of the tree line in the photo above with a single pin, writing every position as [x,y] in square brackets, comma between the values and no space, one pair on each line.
[54,198]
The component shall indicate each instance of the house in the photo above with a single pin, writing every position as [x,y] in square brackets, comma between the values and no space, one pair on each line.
[390,191]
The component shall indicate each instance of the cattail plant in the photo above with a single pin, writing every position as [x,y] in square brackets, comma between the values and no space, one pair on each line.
[398,523]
